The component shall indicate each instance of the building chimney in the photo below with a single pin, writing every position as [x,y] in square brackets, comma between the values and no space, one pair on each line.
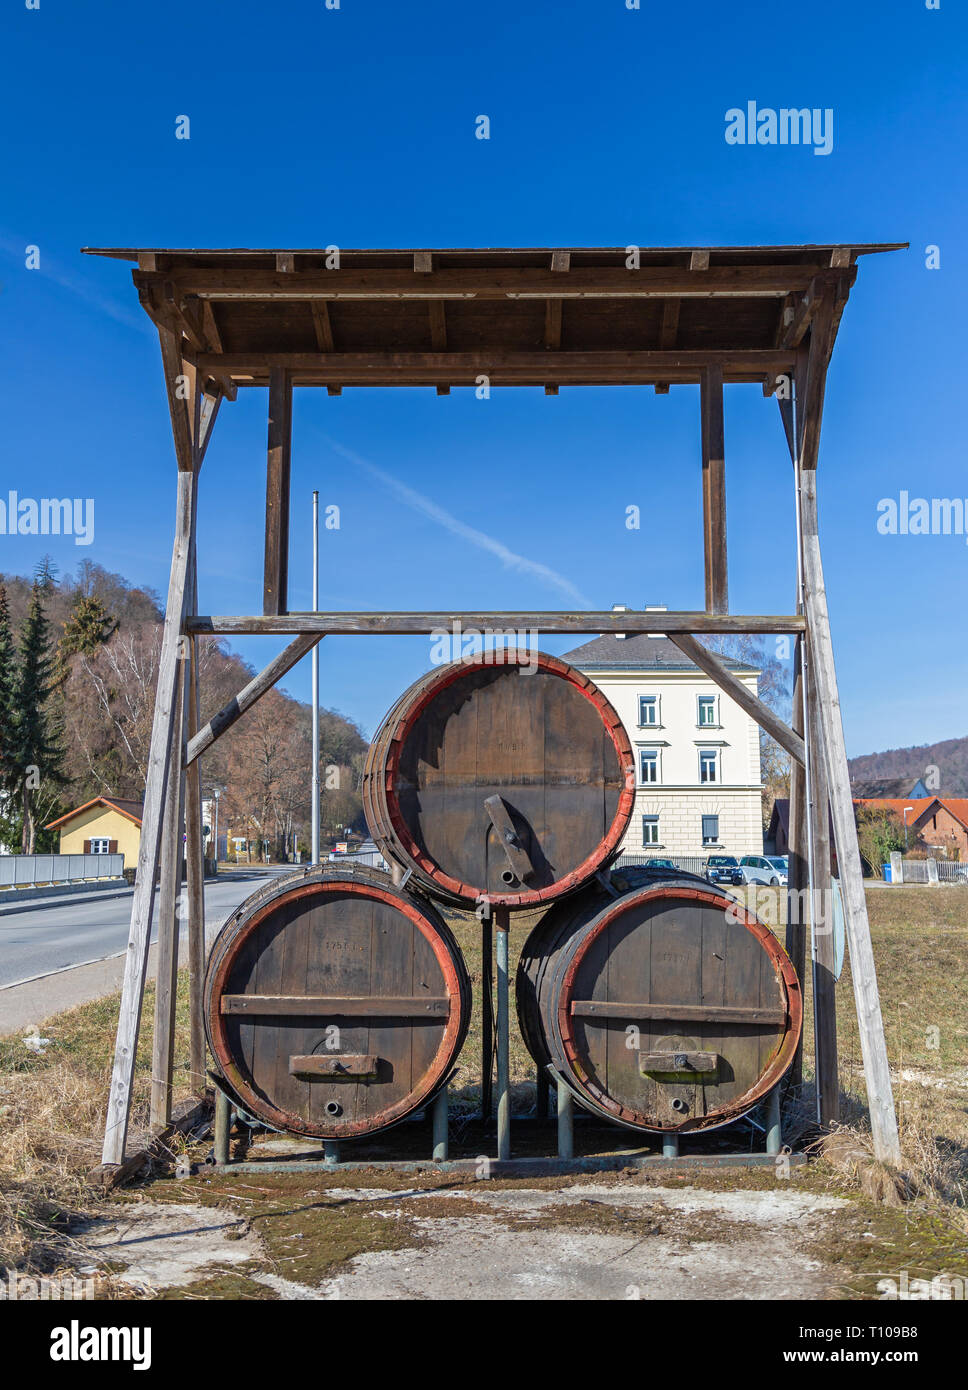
[656,608]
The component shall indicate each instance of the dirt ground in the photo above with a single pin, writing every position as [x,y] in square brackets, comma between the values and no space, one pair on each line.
[589,1242]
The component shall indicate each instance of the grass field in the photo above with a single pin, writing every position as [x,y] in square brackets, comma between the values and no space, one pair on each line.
[52,1105]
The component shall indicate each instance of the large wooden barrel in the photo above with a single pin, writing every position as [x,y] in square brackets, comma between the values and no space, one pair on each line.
[668,1007]
[335,1004]
[490,777]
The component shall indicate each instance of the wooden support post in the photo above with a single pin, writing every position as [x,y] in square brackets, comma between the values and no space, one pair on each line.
[714,490]
[166,978]
[195,869]
[797,876]
[276,586]
[877,1072]
[821,917]
[142,903]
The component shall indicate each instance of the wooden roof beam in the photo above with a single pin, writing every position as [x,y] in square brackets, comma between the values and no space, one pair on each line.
[489,282]
[416,624]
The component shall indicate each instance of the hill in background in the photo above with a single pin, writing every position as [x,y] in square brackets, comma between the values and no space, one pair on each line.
[950,757]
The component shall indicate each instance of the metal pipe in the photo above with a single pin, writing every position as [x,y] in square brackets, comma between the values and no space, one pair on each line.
[315,739]
[566,1125]
[670,1146]
[502,923]
[440,1121]
[774,1138]
[487,1041]
[223,1128]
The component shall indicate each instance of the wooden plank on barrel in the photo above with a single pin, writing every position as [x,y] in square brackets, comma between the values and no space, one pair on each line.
[674,1011]
[676,973]
[268,977]
[333,1065]
[336,1006]
[712,991]
[425,1037]
[297,1031]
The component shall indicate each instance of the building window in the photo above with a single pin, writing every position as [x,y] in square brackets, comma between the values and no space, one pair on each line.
[650,830]
[707,716]
[100,846]
[710,830]
[708,765]
[649,765]
[648,711]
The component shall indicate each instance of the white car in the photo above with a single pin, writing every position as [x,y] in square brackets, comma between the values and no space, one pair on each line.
[757,868]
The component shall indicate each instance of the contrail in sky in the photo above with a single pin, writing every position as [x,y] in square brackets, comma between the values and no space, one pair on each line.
[418,503]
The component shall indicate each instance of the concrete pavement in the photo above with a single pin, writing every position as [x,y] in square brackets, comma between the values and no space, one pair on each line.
[73,952]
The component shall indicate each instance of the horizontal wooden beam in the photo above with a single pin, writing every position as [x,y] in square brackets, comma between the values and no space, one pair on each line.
[416,624]
[487,282]
[688,1013]
[500,367]
[716,669]
[250,694]
[327,1006]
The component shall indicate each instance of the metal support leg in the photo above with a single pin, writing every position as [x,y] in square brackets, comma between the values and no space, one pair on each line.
[331,1151]
[223,1128]
[670,1146]
[566,1119]
[487,1042]
[502,923]
[440,1118]
[774,1137]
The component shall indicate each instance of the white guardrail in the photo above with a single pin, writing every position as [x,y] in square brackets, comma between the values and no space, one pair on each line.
[28,870]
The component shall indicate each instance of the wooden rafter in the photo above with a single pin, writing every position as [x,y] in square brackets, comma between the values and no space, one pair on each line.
[416,624]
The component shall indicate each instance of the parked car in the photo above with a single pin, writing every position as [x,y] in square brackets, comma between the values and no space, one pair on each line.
[662,864]
[757,868]
[723,868]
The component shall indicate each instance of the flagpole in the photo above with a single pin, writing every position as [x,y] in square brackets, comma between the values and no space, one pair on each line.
[315,847]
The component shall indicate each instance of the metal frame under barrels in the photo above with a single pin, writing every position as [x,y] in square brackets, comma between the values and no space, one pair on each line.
[663,317]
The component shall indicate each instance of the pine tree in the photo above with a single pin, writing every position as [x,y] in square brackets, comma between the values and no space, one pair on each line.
[88,627]
[36,753]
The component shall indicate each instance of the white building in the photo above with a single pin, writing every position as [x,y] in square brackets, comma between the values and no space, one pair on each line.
[697,753]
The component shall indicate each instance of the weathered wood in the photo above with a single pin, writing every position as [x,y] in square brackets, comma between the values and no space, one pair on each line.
[276,584]
[335,1066]
[685,1013]
[877,1072]
[670,1007]
[714,490]
[490,282]
[166,979]
[797,876]
[716,669]
[195,869]
[372,1051]
[813,380]
[502,367]
[485,780]
[250,694]
[162,729]
[335,1006]
[188,1117]
[179,379]
[408,624]
[821,916]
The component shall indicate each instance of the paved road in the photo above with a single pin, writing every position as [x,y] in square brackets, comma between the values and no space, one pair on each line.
[66,934]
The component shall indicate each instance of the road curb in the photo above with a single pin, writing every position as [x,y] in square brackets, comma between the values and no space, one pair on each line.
[65,900]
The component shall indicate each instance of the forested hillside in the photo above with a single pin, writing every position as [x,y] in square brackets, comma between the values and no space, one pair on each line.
[950,757]
[83,649]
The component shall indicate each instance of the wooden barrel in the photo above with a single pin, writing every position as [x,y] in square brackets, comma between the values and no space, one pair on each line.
[335,1004]
[668,1007]
[490,777]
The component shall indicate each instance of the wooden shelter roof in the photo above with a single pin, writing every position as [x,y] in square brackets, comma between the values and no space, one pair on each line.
[568,316]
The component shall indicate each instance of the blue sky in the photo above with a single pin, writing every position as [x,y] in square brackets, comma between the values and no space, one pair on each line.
[356,127]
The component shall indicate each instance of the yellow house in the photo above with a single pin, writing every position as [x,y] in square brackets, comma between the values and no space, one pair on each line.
[105,825]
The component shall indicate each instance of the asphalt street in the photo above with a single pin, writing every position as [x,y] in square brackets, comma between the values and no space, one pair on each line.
[40,941]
